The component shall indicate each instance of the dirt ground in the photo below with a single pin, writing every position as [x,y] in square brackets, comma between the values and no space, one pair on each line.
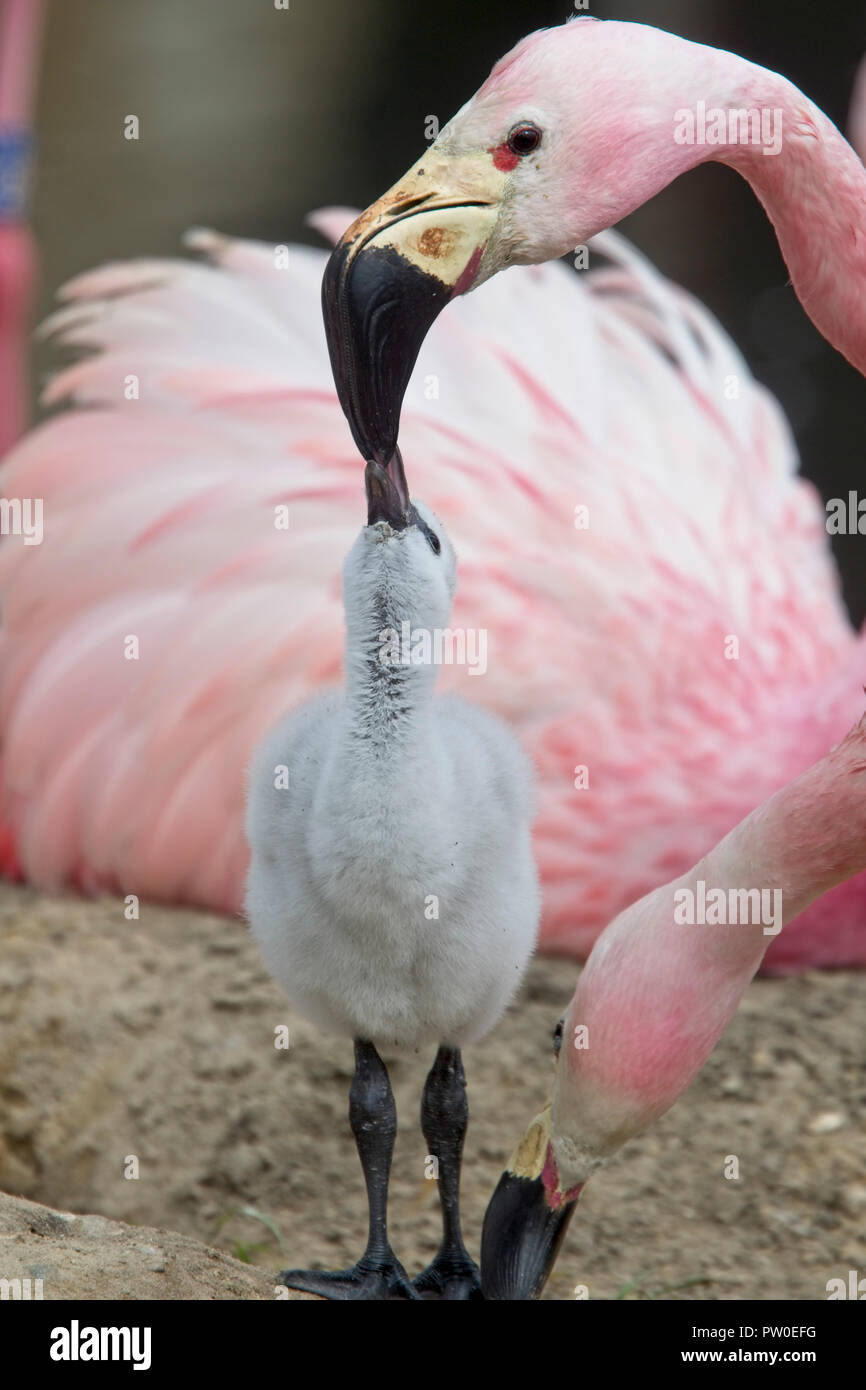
[64,1256]
[154,1040]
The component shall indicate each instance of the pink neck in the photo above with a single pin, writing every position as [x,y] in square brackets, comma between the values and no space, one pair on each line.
[814,193]
[811,835]
[813,189]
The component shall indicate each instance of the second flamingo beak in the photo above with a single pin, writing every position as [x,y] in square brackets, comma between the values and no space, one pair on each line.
[392,273]
[526,1220]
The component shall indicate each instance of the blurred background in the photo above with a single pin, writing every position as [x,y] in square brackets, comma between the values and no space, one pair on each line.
[251,115]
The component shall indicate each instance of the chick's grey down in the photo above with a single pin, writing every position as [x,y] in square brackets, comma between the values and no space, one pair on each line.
[392,887]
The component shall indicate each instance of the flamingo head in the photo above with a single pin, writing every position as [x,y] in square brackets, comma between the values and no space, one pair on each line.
[390,509]
[571,130]
[403,550]
[391,515]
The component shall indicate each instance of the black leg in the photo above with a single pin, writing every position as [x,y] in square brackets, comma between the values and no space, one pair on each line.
[444,1118]
[373,1117]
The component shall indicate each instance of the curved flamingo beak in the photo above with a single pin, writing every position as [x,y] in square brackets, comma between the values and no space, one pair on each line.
[392,273]
[526,1219]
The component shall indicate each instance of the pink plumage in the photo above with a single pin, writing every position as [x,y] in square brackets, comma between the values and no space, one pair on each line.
[687,646]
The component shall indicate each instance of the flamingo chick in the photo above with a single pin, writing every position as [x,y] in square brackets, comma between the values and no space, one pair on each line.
[392,887]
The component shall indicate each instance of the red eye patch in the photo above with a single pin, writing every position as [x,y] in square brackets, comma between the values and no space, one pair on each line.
[504,157]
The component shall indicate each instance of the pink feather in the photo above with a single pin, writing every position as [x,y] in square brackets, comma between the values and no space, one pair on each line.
[606,644]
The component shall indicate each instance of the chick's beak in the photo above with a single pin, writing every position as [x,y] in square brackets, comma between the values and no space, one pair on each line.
[387,493]
[392,272]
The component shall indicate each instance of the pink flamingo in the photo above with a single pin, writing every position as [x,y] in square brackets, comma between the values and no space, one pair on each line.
[664,624]
[663,980]
[20,29]
[653,1000]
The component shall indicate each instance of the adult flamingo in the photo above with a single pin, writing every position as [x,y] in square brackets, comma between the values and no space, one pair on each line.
[654,998]
[611,400]
[20,29]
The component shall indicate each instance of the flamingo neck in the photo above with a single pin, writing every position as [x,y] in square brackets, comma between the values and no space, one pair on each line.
[700,104]
[814,193]
[388,688]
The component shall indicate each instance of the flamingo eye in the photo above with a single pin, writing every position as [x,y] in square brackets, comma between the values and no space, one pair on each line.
[524,138]
[430,536]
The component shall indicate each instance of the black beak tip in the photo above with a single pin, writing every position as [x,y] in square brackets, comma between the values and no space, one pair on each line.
[378,308]
[520,1239]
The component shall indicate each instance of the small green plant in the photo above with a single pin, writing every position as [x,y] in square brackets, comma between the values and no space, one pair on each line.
[245,1250]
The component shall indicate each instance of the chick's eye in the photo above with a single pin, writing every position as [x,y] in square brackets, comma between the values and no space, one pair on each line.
[524,138]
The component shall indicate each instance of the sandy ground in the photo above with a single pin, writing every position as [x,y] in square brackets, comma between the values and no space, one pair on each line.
[59,1255]
[154,1040]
